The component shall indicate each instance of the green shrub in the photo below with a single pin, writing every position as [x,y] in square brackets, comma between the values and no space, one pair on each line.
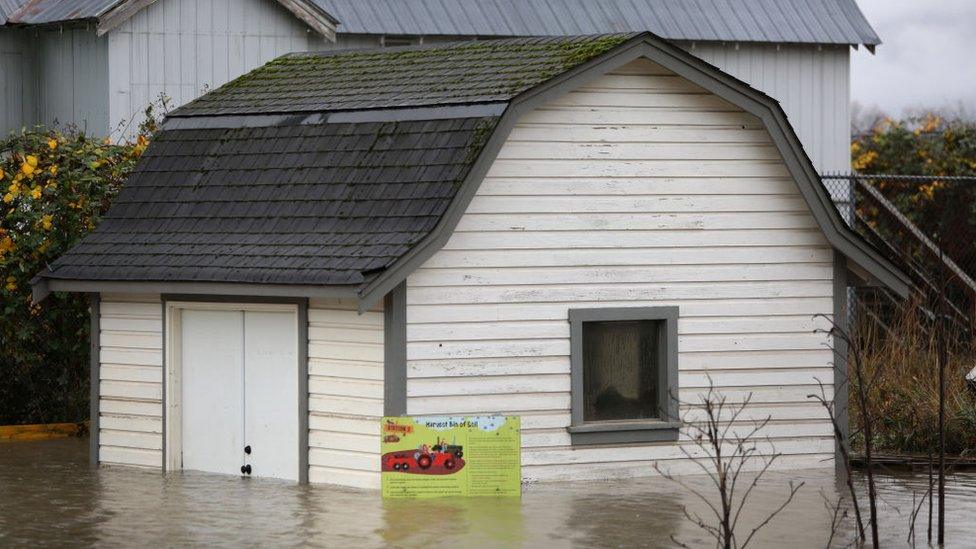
[55,186]
[929,146]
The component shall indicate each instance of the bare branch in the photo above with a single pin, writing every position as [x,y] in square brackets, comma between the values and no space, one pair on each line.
[837,514]
[789,498]
[725,444]
[678,543]
[915,511]
[752,485]
[690,490]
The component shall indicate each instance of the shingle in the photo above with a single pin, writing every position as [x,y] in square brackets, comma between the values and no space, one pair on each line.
[325,229]
[443,74]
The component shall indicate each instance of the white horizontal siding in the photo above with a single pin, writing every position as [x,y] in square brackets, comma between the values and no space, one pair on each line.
[345,385]
[637,190]
[131,380]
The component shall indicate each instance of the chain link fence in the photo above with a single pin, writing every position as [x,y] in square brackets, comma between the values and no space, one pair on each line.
[927,227]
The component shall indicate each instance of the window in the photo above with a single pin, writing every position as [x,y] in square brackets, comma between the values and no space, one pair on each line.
[624,364]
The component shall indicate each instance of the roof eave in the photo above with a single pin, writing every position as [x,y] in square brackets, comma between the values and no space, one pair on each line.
[64,23]
[42,286]
[869,43]
[314,16]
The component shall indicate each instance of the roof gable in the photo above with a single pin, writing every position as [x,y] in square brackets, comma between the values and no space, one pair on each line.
[108,14]
[705,76]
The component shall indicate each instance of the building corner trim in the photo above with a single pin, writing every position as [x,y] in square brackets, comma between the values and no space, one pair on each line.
[303,448]
[841,386]
[395,351]
[94,371]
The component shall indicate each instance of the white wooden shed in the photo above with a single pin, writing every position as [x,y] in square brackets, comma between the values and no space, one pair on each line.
[566,229]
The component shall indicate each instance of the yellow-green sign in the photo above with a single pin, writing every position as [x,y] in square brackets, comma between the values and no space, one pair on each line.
[426,457]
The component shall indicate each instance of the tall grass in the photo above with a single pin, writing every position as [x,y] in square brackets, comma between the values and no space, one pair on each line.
[900,364]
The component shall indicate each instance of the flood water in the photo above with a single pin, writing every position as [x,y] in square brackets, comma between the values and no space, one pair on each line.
[49,497]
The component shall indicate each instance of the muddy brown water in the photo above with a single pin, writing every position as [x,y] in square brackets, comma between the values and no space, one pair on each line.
[49,497]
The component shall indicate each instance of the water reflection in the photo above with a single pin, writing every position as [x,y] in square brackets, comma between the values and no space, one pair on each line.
[49,497]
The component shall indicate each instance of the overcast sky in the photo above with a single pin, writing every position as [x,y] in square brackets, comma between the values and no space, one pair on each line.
[927,57]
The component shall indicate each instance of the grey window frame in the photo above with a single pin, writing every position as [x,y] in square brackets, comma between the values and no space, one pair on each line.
[625,431]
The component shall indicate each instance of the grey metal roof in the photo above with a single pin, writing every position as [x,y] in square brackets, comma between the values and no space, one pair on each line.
[42,12]
[443,74]
[7,7]
[784,21]
[781,21]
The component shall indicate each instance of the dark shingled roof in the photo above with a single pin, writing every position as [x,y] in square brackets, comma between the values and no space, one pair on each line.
[448,74]
[304,201]
[302,204]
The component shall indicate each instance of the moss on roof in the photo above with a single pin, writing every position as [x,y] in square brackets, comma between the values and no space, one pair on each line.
[455,73]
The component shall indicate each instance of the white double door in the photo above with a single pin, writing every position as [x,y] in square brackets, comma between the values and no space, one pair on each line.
[239,392]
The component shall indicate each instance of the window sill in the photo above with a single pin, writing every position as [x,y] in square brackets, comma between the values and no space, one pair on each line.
[624,432]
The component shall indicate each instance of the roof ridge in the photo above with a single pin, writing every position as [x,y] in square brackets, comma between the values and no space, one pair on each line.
[541,40]
[429,75]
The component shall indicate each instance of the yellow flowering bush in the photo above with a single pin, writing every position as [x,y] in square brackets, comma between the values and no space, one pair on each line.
[927,145]
[55,186]
[923,145]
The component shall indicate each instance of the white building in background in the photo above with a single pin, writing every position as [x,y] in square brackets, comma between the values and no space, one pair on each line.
[99,63]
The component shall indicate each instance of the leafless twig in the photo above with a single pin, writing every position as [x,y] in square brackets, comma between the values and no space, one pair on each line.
[725,448]
[915,510]
[844,452]
[862,385]
[837,513]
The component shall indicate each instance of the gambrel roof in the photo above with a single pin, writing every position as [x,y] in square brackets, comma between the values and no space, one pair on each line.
[778,21]
[318,175]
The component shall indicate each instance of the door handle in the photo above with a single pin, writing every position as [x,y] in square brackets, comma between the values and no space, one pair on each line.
[246,469]
[247,449]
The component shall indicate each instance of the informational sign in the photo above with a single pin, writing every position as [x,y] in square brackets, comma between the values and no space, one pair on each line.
[428,457]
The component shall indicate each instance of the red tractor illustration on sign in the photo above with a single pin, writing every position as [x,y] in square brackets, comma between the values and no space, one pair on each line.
[439,459]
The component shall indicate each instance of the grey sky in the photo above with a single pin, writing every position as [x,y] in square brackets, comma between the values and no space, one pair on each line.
[927,58]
